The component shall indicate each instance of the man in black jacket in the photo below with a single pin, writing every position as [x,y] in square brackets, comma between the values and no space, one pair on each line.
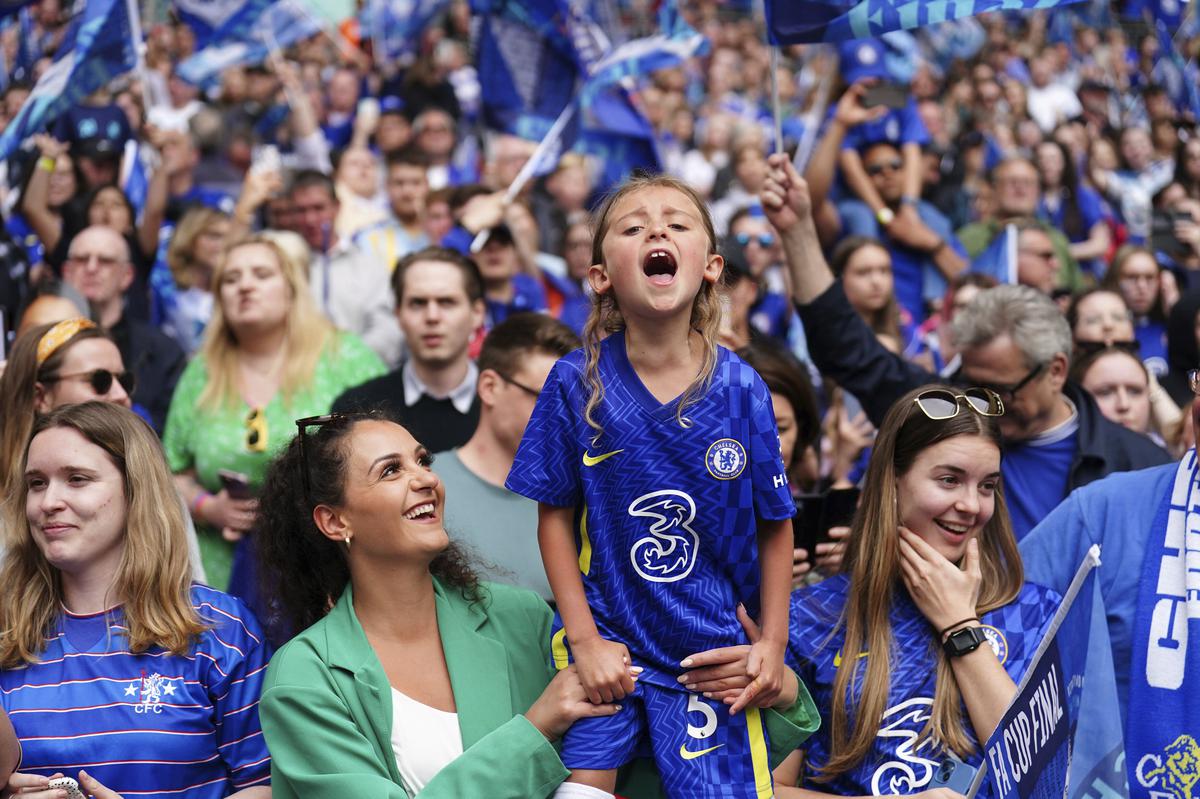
[1013,340]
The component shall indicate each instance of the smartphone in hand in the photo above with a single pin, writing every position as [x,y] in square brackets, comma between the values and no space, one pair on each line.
[890,95]
[236,484]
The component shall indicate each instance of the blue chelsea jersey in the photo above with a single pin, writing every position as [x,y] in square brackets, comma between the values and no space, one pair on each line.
[665,513]
[898,763]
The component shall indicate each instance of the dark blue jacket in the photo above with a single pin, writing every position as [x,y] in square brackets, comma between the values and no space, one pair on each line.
[845,350]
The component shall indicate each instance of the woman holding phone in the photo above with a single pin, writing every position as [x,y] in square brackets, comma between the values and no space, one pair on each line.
[929,615]
[268,357]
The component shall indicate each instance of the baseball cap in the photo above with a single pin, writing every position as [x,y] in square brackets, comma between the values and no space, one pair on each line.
[862,59]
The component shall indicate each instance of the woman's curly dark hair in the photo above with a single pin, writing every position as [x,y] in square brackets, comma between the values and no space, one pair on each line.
[306,571]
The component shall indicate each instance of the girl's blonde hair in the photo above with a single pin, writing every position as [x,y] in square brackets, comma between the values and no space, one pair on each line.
[308,332]
[153,577]
[187,273]
[605,315]
[872,561]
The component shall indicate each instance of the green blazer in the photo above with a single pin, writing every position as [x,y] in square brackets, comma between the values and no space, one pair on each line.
[326,706]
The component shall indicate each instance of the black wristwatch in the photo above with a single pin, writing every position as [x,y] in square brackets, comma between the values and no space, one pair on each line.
[964,641]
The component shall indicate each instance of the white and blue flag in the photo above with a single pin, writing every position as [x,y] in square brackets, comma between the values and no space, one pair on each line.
[248,36]
[98,47]
[395,26]
[808,21]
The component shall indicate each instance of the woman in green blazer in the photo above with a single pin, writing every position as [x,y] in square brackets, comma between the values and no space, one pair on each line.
[353,511]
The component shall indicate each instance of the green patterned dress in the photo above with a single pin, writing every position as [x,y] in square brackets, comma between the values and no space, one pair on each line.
[206,440]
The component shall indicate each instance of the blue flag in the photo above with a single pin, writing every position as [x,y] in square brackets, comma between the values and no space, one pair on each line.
[1180,79]
[248,36]
[395,26]
[204,17]
[98,47]
[807,21]
[1062,733]
[1000,258]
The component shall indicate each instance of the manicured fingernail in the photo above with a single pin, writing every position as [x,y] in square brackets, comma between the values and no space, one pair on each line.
[636,669]
[616,708]
[690,686]
[686,663]
[708,694]
[681,678]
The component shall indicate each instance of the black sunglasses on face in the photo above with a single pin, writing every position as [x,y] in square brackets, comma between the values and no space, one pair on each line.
[1005,392]
[101,380]
[884,166]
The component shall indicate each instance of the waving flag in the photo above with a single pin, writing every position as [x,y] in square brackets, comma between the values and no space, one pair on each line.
[1000,258]
[205,17]
[1181,79]
[396,25]
[98,47]
[806,21]
[248,36]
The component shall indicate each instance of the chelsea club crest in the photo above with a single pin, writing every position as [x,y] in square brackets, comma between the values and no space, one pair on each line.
[998,642]
[726,459]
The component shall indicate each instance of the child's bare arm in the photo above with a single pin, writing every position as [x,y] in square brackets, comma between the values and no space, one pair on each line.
[604,666]
[766,654]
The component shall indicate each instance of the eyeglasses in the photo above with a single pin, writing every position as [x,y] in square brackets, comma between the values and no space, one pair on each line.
[1008,392]
[533,392]
[764,240]
[941,403]
[875,170]
[1086,349]
[101,380]
[302,426]
[1045,255]
[256,431]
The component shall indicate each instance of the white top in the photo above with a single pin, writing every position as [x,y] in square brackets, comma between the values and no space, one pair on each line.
[424,740]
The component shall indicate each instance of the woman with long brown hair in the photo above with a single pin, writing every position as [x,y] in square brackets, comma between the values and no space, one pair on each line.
[114,666]
[930,613]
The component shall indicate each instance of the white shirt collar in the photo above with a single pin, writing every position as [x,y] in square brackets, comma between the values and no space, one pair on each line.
[460,397]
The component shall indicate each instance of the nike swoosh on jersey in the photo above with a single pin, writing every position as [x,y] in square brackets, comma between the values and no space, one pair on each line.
[837,658]
[688,754]
[592,460]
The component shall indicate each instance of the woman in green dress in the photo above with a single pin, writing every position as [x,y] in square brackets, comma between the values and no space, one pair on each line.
[268,357]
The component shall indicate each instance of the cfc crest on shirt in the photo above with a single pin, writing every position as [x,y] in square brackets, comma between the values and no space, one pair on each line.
[726,459]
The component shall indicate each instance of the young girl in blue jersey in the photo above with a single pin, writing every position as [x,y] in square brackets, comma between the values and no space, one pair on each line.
[115,669]
[663,503]
[930,613]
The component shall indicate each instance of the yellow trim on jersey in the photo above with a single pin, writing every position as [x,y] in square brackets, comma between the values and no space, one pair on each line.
[558,649]
[758,754]
[585,545]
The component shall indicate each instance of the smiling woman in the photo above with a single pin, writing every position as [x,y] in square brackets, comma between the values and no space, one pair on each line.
[931,597]
[110,634]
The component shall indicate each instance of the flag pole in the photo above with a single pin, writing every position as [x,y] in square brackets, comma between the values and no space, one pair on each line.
[549,140]
[812,122]
[139,49]
[775,103]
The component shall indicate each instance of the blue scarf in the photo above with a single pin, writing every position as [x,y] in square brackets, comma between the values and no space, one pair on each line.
[1162,751]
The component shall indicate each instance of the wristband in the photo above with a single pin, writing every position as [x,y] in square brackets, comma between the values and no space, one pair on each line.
[906,200]
[942,633]
[199,500]
[46,163]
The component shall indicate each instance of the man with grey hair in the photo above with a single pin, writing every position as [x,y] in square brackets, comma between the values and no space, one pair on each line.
[1013,340]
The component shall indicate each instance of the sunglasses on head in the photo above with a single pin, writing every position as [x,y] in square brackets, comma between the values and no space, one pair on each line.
[302,426]
[101,380]
[256,431]
[884,166]
[942,403]
[764,239]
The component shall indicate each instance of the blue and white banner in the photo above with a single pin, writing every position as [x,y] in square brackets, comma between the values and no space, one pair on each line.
[808,21]
[204,17]
[395,26]
[1000,258]
[248,36]
[1180,78]
[98,47]
[1062,735]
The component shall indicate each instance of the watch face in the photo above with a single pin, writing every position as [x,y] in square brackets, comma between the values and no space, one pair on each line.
[963,641]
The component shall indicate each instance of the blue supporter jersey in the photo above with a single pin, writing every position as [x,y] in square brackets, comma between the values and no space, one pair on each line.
[899,126]
[665,516]
[528,295]
[151,725]
[897,763]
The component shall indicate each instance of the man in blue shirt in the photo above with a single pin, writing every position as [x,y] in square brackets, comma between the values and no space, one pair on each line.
[925,252]
[1013,339]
